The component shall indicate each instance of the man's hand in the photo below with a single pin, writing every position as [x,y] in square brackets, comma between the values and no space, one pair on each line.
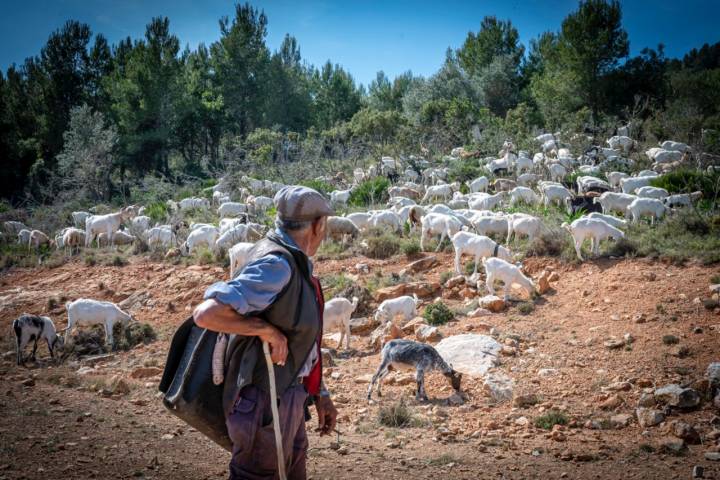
[218,317]
[278,344]
[327,414]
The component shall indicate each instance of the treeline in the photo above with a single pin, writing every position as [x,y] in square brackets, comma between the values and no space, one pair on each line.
[89,119]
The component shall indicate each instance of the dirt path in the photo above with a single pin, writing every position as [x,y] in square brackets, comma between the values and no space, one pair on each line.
[58,423]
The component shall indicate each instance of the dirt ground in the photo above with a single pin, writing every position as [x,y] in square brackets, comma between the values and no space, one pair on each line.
[64,421]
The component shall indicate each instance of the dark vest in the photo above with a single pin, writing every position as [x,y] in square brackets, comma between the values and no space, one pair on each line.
[295,312]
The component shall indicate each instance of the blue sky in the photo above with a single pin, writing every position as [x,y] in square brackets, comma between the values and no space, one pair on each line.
[363,37]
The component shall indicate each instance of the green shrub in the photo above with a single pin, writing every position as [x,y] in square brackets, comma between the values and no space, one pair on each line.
[670,340]
[438,314]
[205,256]
[445,276]
[715,279]
[90,260]
[370,192]
[157,211]
[526,307]
[396,415]
[382,245]
[550,419]
[117,261]
[686,181]
[410,247]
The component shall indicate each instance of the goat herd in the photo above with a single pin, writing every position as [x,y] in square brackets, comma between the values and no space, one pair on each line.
[419,197]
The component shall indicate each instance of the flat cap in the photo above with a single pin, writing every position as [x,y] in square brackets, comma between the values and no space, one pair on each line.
[300,204]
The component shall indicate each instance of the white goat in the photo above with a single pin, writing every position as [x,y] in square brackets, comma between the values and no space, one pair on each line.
[85,311]
[641,207]
[13,228]
[119,238]
[615,177]
[522,224]
[480,184]
[652,192]
[37,238]
[555,194]
[160,236]
[232,209]
[479,246]
[340,197]
[438,224]
[435,192]
[194,202]
[392,307]
[557,172]
[110,223]
[386,218]
[337,317]
[523,195]
[509,274]
[629,185]
[73,239]
[238,233]
[614,202]
[201,236]
[487,202]
[593,228]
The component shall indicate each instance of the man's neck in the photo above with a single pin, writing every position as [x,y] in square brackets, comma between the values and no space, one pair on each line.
[302,241]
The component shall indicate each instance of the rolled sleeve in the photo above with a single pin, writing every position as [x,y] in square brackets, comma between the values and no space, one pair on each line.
[255,287]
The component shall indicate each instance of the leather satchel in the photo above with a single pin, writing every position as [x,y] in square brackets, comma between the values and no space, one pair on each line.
[187,383]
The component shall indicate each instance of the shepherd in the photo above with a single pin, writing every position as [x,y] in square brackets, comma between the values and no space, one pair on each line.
[274,299]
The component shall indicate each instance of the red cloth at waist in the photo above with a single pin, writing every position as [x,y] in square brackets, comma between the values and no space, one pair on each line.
[314,378]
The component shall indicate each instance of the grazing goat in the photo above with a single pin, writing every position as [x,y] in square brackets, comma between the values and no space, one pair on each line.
[337,317]
[194,202]
[162,236]
[340,227]
[443,192]
[652,192]
[140,224]
[490,224]
[110,223]
[119,238]
[30,328]
[85,311]
[682,199]
[614,202]
[480,184]
[522,224]
[23,236]
[523,195]
[409,355]
[238,233]
[615,177]
[73,238]
[593,228]
[479,246]
[392,307]
[438,224]
[37,238]
[232,209]
[360,219]
[340,197]
[557,172]
[499,269]
[206,235]
[651,207]
[386,218]
[630,184]
[555,194]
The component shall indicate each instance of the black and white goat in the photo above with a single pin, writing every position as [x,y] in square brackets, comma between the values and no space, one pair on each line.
[409,355]
[32,328]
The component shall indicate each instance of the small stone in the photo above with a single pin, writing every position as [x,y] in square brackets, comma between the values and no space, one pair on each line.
[646,400]
[342,450]
[676,396]
[639,318]
[547,372]
[612,402]
[167,436]
[558,436]
[686,432]
[527,400]
[423,264]
[698,471]
[426,333]
[491,302]
[712,456]
[554,277]
[614,344]
[649,417]
[455,281]
[409,327]
[28,382]
[672,445]
[620,420]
